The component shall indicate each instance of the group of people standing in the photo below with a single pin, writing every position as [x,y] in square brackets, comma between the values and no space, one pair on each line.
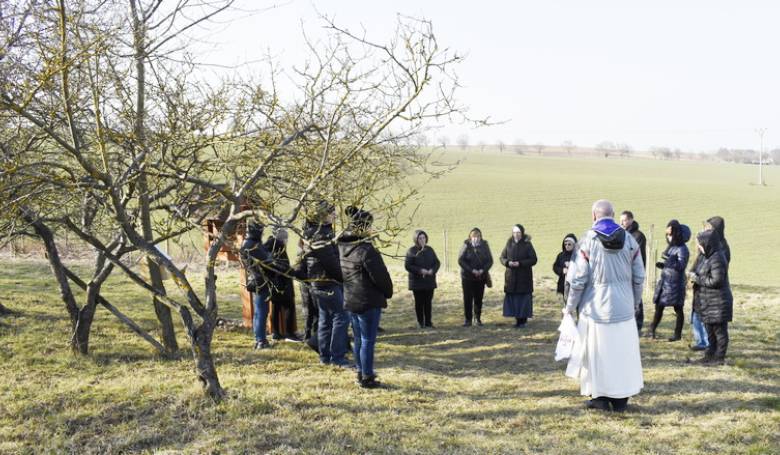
[344,283]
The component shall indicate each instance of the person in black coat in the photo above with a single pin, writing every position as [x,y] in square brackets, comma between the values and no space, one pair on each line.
[283,323]
[561,265]
[670,289]
[712,295]
[422,264]
[717,224]
[367,286]
[518,256]
[475,260]
[323,273]
[628,223]
[258,262]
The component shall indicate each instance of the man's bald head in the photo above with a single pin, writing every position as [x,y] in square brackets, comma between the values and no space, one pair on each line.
[603,209]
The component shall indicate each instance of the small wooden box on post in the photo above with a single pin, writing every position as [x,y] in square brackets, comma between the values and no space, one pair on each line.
[229,252]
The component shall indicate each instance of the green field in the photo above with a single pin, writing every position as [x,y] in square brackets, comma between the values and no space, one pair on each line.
[480,390]
[551,197]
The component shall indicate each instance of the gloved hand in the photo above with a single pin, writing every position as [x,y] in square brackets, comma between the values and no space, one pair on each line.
[692,276]
[659,265]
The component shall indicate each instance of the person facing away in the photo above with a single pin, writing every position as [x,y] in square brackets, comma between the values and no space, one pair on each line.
[700,339]
[670,289]
[629,224]
[606,286]
[518,256]
[323,271]
[367,286]
[283,321]
[475,261]
[258,262]
[422,264]
[562,261]
[712,295]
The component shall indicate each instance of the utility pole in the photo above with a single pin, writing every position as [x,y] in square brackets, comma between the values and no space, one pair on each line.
[761,132]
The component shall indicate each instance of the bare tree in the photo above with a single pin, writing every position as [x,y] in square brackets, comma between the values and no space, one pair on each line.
[443,141]
[463,141]
[519,146]
[539,148]
[118,117]
[607,148]
[775,156]
[568,146]
[623,149]
[501,146]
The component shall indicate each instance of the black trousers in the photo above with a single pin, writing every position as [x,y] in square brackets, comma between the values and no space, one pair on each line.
[718,335]
[678,324]
[310,311]
[282,316]
[473,291]
[422,307]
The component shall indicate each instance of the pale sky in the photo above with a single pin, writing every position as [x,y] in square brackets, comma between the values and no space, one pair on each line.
[692,74]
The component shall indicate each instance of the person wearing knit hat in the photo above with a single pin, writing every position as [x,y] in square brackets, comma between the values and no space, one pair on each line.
[562,261]
[367,286]
[518,256]
[257,261]
[475,261]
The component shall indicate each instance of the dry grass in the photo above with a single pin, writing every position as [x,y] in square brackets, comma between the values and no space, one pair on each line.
[488,389]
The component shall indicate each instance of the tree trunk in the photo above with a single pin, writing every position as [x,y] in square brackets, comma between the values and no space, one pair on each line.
[139,128]
[204,364]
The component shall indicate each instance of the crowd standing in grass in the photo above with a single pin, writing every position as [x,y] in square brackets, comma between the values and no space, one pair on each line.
[344,283]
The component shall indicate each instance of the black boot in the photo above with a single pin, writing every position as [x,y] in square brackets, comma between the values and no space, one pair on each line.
[619,404]
[600,403]
[370,382]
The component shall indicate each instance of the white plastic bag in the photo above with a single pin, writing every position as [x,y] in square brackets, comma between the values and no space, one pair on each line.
[566,340]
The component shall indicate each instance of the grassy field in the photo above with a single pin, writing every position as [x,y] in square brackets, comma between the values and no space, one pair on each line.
[552,197]
[490,389]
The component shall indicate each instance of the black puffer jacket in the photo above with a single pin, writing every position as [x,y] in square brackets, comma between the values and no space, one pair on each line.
[670,290]
[321,256]
[367,283]
[256,258]
[280,276]
[474,258]
[561,260]
[519,280]
[712,297]
[418,259]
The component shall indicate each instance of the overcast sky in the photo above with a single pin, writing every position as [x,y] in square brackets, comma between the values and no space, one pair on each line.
[693,74]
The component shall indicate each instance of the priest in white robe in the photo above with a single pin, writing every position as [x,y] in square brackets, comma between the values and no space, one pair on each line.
[605,289]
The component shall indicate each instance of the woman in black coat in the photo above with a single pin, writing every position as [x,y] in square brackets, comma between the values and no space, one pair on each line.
[422,264]
[712,296]
[670,289]
[518,257]
[283,320]
[561,264]
[475,260]
[367,286]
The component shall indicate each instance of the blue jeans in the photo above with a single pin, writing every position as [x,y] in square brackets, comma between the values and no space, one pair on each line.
[699,332]
[260,300]
[364,327]
[332,325]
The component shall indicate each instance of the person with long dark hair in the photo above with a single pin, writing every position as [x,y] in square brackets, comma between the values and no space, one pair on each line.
[422,264]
